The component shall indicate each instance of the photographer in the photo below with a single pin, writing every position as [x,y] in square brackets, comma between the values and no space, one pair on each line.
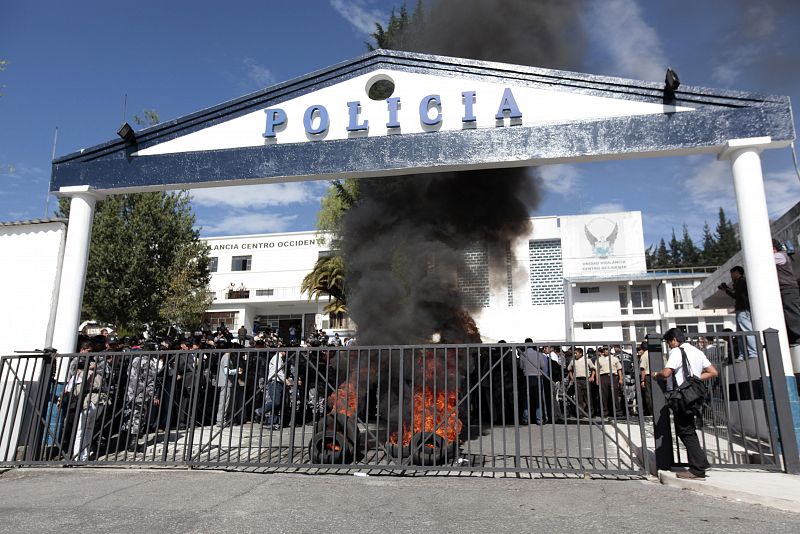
[741,306]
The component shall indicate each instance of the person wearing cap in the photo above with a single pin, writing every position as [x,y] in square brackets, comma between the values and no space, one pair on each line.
[581,371]
[609,372]
[685,427]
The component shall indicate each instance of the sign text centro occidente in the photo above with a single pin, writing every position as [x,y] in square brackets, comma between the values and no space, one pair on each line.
[316,119]
[268,244]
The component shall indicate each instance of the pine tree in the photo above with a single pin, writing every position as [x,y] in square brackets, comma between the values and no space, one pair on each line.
[727,241]
[675,257]
[690,255]
[662,256]
[708,254]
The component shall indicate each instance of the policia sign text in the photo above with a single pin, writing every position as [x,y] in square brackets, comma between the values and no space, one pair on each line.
[430,114]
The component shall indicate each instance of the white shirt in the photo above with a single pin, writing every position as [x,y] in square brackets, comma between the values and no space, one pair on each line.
[277,368]
[697,361]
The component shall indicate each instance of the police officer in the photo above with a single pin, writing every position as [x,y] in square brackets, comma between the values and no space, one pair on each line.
[141,386]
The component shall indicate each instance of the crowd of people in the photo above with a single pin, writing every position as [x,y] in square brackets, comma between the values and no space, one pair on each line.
[118,391]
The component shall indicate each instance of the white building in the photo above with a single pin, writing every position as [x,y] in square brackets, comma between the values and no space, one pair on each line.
[579,278]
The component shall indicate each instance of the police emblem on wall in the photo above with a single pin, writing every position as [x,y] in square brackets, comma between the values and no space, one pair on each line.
[602,233]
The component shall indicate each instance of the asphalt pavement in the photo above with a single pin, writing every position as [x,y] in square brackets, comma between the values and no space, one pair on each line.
[169,500]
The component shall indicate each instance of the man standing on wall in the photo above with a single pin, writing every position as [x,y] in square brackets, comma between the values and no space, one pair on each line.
[790,294]
[741,305]
[685,428]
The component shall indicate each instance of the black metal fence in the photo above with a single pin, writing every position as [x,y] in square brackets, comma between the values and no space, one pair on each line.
[444,408]
[411,408]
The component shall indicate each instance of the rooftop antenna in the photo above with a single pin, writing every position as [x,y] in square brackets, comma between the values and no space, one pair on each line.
[124,106]
[52,157]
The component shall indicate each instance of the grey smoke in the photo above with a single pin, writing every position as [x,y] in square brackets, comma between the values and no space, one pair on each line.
[404,242]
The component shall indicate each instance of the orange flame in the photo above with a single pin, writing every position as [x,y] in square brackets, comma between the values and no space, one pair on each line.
[344,400]
[433,413]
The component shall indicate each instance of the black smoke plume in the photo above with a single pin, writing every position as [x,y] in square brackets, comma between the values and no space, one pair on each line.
[404,241]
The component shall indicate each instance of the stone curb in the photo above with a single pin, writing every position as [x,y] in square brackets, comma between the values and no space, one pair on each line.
[707,487]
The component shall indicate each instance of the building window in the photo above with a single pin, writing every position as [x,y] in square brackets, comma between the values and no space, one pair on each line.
[642,328]
[241,263]
[264,292]
[714,325]
[213,264]
[592,326]
[690,326]
[547,277]
[682,294]
[215,319]
[641,300]
[623,300]
[591,289]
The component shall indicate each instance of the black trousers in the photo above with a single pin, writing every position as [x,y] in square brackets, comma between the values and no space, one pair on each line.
[609,396]
[791,312]
[582,396]
[687,432]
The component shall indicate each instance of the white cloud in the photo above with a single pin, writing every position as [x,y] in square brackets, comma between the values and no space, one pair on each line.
[632,45]
[260,76]
[360,14]
[709,185]
[607,207]
[560,179]
[248,223]
[254,196]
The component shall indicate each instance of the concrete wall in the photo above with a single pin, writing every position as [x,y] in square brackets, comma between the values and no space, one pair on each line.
[30,267]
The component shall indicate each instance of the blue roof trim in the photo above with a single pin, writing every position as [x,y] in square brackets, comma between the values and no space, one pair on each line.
[697,131]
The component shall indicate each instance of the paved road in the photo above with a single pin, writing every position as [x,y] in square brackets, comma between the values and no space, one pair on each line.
[160,500]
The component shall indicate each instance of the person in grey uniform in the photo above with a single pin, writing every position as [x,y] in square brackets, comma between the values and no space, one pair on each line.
[226,375]
[141,386]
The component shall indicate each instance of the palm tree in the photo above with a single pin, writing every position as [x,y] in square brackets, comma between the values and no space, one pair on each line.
[327,278]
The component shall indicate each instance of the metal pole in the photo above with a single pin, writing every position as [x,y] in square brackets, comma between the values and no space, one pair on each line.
[662,424]
[780,398]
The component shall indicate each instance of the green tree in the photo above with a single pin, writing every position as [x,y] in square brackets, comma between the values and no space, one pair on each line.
[400,31]
[146,262]
[707,255]
[661,259]
[675,257]
[727,241]
[327,278]
[690,255]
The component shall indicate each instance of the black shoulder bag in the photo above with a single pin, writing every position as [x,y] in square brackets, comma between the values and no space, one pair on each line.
[689,397]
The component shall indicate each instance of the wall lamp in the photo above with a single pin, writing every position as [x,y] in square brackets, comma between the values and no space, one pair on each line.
[126,132]
[671,84]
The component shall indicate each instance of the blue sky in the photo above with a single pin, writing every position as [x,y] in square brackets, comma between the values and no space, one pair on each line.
[70,63]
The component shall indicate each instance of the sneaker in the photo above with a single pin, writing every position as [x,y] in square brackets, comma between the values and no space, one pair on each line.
[688,475]
[276,427]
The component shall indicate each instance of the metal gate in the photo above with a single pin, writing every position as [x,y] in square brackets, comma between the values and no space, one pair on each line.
[443,408]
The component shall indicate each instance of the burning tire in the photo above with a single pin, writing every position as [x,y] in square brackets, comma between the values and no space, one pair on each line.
[331,447]
[335,441]
[429,448]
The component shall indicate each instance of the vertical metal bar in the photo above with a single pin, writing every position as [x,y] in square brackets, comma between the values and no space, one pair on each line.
[661,417]
[780,396]
[517,444]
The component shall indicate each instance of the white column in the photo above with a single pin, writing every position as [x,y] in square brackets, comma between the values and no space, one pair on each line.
[73,270]
[759,263]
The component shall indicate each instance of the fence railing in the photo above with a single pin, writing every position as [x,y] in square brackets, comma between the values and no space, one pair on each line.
[446,408]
